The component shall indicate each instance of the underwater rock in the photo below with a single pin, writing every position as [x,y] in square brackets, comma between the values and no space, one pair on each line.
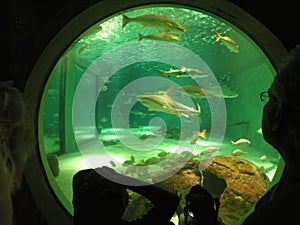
[53,163]
[237,182]
[181,182]
[245,185]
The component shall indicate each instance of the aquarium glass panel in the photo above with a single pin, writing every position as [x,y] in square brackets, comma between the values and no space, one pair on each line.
[158,93]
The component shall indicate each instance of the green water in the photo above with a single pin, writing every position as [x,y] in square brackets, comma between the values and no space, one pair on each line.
[91,115]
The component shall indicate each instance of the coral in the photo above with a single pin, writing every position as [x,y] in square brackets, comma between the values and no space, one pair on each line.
[245,185]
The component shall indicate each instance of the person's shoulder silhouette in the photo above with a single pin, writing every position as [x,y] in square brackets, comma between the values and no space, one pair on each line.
[281,129]
[98,196]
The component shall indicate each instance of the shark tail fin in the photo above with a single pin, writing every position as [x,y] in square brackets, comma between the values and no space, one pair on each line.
[161,72]
[140,36]
[125,20]
[198,106]
[218,36]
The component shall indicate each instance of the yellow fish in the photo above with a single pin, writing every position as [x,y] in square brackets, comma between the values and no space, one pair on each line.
[198,134]
[228,42]
[158,22]
[238,152]
[162,36]
[241,142]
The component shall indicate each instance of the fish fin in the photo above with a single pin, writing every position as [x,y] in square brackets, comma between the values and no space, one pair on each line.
[202,134]
[198,106]
[140,36]
[125,20]
[142,26]
[185,115]
[218,36]
[171,90]
[232,142]
[183,68]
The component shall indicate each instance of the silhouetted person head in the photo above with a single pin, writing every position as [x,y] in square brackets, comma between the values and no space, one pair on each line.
[97,197]
[281,120]
[202,206]
[281,128]
[16,145]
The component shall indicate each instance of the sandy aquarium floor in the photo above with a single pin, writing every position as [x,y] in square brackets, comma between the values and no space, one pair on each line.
[92,156]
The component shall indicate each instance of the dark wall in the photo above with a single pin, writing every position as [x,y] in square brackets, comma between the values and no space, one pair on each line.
[282,18]
[24,31]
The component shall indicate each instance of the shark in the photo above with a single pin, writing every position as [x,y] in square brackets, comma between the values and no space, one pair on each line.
[183,72]
[167,104]
[213,91]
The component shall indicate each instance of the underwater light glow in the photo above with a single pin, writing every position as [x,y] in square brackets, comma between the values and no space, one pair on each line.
[207,143]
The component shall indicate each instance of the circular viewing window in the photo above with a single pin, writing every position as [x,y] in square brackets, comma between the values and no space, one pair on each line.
[154,92]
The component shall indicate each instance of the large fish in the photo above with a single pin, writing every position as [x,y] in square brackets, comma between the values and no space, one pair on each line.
[216,91]
[194,91]
[228,42]
[173,72]
[193,72]
[158,22]
[162,36]
[183,72]
[225,92]
[167,104]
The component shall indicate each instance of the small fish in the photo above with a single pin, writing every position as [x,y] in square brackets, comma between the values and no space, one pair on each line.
[158,22]
[53,92]
[83,48]
[207,157]
[222,92]
[259,131]
[263,158]
[241,142]
[104,88]
[228,42]
[112,163]
[129,162]
[211,150]
[162,36]
[152,161]
[240,123]
[103,119]
[198,134]
[238,152]
[162,154]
